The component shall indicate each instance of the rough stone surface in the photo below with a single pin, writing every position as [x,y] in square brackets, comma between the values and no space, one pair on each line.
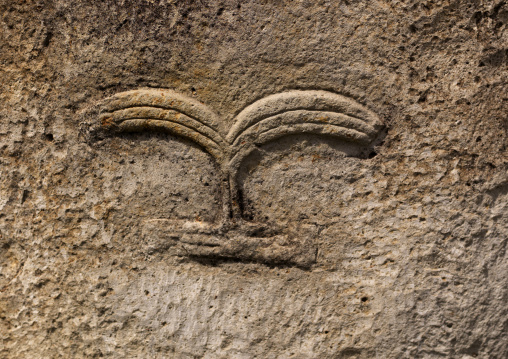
[397,249]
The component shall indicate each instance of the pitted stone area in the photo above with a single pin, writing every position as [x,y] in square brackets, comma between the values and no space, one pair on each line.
[253,179]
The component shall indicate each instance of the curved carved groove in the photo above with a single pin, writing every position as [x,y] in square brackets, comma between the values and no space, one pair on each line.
[161,114]
[299,128]
[322,101]
[323,118]
[151,109]
[296,112]
[115,119]
[140,125]
[162,98]
[299,112]
[166,110]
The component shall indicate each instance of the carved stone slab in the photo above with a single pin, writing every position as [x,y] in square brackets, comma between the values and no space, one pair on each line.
[314,112]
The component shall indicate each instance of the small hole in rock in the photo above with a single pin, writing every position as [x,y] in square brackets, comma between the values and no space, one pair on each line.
[49,137]
[364,299]
[48,37]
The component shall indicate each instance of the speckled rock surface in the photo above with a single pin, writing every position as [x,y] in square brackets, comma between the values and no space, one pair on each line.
[397,249]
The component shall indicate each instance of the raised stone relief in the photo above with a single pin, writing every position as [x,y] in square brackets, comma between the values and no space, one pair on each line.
[258,208]
[236,237]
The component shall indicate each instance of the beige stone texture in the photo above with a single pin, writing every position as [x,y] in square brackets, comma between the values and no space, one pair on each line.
[254,179]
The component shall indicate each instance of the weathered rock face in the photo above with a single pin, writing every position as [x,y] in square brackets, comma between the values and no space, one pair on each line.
[253,179]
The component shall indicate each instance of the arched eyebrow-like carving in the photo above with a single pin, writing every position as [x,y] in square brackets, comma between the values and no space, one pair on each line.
[337,111]
[287,113]
[298,112]
[163,110]
[293,112]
